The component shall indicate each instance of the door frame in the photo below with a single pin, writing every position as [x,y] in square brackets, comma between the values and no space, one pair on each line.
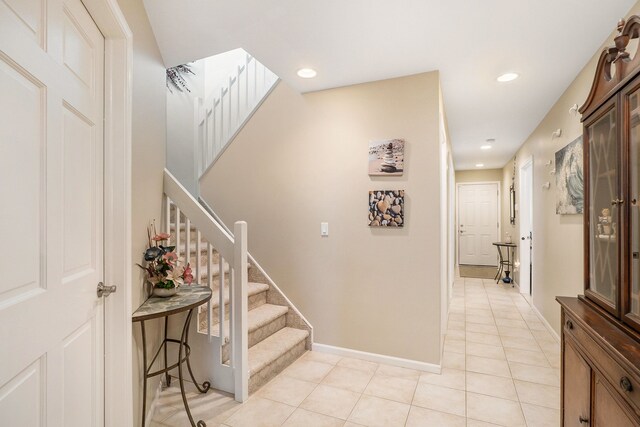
[499,212]
[118,363]
[526,162]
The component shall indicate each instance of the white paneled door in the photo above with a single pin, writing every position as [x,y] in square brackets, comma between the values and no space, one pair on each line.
[51,214]
[477,223]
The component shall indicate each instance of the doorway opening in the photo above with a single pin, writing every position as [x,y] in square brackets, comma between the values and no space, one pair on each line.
[525,280]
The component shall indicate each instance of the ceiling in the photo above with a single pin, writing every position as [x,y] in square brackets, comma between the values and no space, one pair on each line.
[471,42]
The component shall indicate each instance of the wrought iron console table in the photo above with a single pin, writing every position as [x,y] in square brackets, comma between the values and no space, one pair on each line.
[188,298]
[508,262]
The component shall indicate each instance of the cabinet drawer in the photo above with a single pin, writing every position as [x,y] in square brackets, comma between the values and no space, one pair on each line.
[625,384]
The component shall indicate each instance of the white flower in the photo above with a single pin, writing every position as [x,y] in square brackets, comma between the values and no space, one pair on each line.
[175,276]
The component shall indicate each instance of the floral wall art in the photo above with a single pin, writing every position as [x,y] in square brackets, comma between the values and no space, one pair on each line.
[386,208]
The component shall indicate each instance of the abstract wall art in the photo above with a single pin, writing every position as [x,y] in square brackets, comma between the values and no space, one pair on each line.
[386,208]
[569,179]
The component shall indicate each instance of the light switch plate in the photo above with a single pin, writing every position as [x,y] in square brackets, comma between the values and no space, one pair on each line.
[324,229]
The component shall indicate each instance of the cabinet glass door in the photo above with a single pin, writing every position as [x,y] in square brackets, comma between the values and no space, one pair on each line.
[603,210]
[634,192]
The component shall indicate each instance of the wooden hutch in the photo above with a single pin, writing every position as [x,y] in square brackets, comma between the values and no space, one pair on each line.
[601,329]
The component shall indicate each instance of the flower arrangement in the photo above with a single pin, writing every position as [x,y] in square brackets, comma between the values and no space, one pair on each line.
[162,267]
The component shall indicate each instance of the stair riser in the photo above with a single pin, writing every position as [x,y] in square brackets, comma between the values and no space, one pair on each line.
[253,301]
[258,335]
[265,375]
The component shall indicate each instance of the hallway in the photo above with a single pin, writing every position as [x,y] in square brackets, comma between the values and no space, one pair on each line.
[500,367]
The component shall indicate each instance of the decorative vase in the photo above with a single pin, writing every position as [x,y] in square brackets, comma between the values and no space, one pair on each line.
[164,292]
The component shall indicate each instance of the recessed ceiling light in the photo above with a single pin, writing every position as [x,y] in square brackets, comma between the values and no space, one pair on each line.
[307,73]
[479,165]
[507,77]
[485,147]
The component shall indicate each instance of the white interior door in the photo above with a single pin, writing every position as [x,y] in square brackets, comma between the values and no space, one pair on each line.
[51,188]
[526,227]
[477,223]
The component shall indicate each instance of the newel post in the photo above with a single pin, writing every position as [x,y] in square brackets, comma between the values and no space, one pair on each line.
[240,335]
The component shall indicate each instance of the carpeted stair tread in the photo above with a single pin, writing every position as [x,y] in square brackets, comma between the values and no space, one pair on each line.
[215,270]
[252,289]
[266,352]
[256,318]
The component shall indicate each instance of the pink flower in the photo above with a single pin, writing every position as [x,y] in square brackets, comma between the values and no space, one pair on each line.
[161,236]
[188,275]
[170,257]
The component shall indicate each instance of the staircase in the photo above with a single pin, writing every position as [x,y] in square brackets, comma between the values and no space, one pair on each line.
[276,333]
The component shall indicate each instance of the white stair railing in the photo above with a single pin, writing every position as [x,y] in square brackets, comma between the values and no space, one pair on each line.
[232,377]
[221,115]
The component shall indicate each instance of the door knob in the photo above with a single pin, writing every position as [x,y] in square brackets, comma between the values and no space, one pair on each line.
[105,291]
[583,420]
[522,238]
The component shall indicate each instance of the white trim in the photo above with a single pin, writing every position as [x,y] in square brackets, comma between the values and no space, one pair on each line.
[378,358]
[523,163]
[118,405]
[457,210]
[546,324]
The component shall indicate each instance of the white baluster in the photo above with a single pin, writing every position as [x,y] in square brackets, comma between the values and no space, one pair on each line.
[221,312]
[210,284]
[167,214]
[177,229]
[239,313]
[198,256]
[230,124]
[187,241]
[238,101]
[222,131]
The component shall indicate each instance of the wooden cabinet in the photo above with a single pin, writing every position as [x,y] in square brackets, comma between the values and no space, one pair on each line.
[600,369]
[608,411]
[611,119]
[576,378]
[601,329]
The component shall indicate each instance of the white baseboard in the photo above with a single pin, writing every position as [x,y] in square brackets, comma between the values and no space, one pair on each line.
[543,320]
[378,358]
[153,406]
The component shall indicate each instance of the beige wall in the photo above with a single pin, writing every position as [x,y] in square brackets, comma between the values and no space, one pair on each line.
[302,160]
[480,175]
[148,160]
[558,240]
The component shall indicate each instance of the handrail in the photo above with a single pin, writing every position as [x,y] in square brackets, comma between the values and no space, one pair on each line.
[233,249]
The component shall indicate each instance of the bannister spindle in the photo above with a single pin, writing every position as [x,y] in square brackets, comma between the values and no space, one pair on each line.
[198,256]
[187,240]
[230,125]
[167,214]
[238,103]
[222,115]
[177,230]
[240,307]
[210,284]
[221,312]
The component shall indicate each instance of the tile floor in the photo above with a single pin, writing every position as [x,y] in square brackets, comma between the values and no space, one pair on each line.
[500,367]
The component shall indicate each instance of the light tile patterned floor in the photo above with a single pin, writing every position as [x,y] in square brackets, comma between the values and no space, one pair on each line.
[500,367]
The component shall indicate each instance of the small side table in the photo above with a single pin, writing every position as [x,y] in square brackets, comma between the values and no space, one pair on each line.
[508,262]
[187,299]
